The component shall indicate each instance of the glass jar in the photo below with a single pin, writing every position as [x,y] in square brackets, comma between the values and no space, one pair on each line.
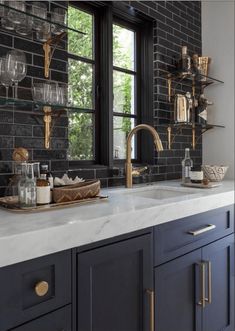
[43,190]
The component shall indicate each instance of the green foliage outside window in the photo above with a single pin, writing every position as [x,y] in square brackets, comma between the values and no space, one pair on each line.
[81,125]
[81,82]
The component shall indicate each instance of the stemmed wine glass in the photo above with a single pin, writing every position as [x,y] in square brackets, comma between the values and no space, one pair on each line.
[5,80]
[17,68]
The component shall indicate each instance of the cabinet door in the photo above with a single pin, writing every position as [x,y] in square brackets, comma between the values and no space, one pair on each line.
[219,314]
[59,320]
[177,294]
[112,283]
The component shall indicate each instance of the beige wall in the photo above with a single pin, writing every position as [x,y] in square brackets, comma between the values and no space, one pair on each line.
[218,42]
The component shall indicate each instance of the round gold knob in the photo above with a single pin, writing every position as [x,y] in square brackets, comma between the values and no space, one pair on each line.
[41,288]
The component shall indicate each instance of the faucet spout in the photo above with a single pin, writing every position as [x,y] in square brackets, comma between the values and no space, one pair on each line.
[157,142]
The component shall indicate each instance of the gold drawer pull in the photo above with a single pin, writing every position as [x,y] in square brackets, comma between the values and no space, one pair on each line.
[209,299]
[41,288]
[151,309]
[208,227]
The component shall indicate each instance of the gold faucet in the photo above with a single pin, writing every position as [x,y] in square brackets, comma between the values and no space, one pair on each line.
[157,142]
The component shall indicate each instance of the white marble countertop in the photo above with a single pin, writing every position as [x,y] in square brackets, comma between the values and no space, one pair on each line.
[30,235]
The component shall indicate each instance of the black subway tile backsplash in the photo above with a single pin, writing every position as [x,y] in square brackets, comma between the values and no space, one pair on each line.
[176,23]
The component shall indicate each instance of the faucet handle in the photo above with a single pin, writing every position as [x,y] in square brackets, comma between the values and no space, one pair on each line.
[136,171]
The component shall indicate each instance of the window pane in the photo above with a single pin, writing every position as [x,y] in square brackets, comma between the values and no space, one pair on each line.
[81,140]
[78,44]
[123,93]
[123,48]
[81,81]
[121,127]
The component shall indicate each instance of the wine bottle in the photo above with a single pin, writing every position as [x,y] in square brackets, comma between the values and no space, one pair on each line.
[187,164]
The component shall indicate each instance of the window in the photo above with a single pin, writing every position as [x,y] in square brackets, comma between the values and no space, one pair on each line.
[81,68]
[106,75]
[124,89]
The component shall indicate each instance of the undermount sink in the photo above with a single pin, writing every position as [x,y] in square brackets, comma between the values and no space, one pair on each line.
[160,193]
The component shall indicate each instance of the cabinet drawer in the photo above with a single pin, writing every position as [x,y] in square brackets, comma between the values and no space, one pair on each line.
[182,236]
[59,320]
[33,288]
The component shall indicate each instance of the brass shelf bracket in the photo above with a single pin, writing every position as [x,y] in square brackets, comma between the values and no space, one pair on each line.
[47,118]
[171,137]
[49,47]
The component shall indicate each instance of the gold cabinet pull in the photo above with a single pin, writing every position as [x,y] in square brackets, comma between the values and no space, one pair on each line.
[209,278]
[41,288]
[208,227]
[151,308]
[202,301]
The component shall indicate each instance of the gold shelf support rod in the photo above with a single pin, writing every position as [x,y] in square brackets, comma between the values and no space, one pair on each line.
[49,47]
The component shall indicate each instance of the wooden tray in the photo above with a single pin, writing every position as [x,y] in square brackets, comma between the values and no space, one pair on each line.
[11,204]
[203,186]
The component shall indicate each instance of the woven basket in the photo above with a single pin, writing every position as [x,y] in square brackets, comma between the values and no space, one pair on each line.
[85,190]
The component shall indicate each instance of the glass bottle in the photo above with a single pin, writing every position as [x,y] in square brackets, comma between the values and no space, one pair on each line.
[30,187]
[187,164]
[45,170]
[185,61]
[21,184]
[43,190]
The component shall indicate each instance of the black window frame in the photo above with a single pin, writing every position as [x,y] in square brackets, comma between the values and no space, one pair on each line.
[137,73]
[105,14]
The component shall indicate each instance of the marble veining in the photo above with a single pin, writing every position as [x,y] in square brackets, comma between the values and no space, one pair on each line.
[26,236]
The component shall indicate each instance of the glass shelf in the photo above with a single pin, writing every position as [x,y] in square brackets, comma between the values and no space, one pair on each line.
[197,77]
[195,125]
[30,105]
[48,19]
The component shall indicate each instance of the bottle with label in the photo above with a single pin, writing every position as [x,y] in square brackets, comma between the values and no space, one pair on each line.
[196,175]
[45,170]
[187,165]
[43,190]
[185,61]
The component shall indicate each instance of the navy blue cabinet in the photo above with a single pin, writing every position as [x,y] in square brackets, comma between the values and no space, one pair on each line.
[59,320]
[195,292]
[175,294]
[219,312]
[33,288]
[114,287]
[178,276]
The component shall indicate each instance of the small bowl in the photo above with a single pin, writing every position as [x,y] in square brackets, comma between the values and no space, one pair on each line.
[215,173]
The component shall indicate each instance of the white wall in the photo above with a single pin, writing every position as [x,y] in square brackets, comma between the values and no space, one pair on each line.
[218,43]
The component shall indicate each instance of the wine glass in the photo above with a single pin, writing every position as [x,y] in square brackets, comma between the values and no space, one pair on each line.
[5,80]
[17,68]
